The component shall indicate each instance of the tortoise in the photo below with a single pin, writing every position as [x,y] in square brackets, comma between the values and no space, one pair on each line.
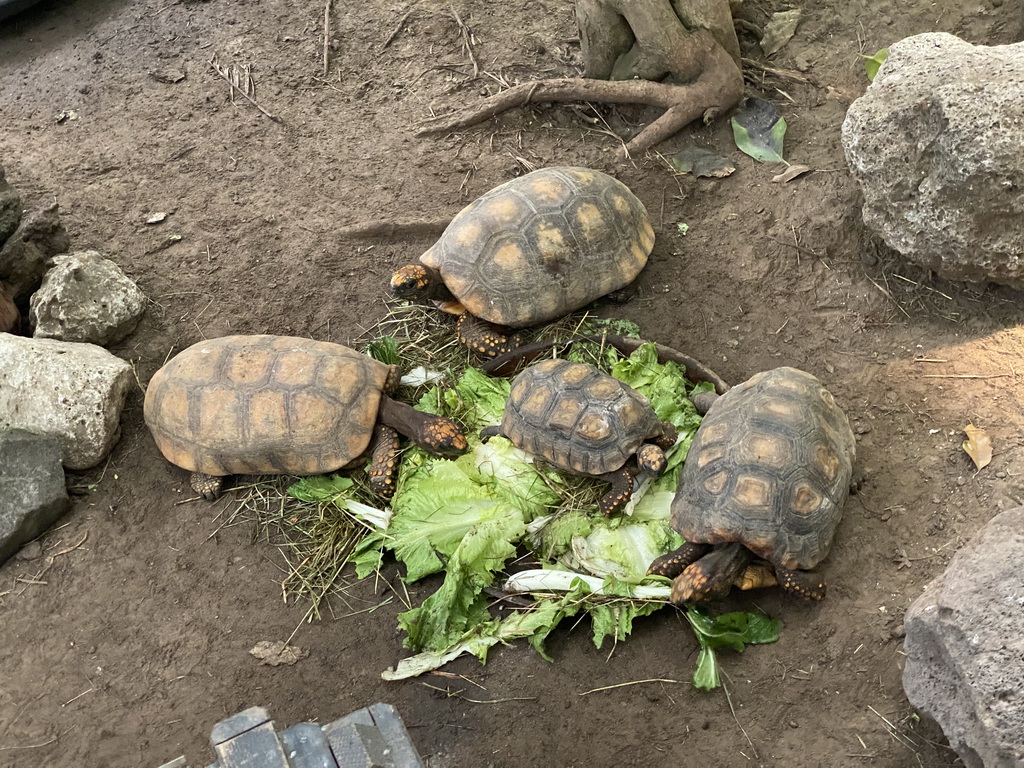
[284,405]
[531,250]
[766,477]
[585,422]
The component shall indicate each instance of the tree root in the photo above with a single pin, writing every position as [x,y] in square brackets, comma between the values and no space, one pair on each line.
[718,88]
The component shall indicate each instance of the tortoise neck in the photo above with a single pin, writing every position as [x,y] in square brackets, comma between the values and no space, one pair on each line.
[403,418]
[436,289]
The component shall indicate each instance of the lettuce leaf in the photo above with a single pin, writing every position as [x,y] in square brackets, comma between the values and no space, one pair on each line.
[445,616]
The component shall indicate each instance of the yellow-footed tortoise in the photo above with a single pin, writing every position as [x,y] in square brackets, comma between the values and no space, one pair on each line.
[531,250]
[284,405]
[586,422]
[766,477]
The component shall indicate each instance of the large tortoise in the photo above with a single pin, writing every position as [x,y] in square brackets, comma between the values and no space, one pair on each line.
[766,477]
[586,422]
[531,250]
[284,405]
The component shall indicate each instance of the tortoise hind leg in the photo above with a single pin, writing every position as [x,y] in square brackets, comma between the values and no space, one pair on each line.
[207,486]
[807,585]
[485,338]
[384,461]
[672,564]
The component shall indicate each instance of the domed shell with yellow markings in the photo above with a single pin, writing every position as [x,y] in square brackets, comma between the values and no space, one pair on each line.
[542,245]
[770,466]
[576,417]
[265,404]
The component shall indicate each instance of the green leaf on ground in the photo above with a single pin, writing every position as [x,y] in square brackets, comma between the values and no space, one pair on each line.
[758,129]
[874,63]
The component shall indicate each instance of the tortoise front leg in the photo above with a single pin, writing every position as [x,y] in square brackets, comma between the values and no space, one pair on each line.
[622,489]
[807,585]
[207,486]
[672,564]
[384,461]
[712,576]
[485,338]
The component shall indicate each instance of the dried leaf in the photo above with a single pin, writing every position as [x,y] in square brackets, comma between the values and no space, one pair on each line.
[791,173]
[758,130]
[274,653]
[156,218]
[978,446]
[779,31]
[702,162]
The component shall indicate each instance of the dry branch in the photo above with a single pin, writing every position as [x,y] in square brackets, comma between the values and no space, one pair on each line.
[717,88]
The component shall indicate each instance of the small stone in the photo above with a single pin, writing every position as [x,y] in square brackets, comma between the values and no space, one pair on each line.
[86,298]
[33,495]
[27,254]
[793,724]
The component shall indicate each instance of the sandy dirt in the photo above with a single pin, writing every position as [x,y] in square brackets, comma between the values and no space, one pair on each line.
[127,649]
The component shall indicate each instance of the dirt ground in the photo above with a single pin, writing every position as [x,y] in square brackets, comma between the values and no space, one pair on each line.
[125,650]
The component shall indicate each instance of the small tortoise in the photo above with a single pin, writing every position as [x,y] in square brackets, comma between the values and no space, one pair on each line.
[585,422]
[766,476]
[531,250]
[284,405]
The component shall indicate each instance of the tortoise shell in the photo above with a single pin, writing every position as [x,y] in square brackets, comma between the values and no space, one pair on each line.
[542,245]
[770,466]
[576,417]
[265,404]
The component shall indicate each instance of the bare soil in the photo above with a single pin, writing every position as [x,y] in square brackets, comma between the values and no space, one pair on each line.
[127,649]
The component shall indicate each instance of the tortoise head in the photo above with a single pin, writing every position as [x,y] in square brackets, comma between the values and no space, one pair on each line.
[415,282]
[651,459]
[442,436]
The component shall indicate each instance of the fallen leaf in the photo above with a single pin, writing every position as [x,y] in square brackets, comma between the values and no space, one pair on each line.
[702,162]
[791,173]
[274,653]
[779,31]
[758,130]
[978,446]
[169,76]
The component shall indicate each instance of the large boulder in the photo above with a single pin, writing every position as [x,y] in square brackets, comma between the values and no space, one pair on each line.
[75,392]
[965,647]
[86,298]
[10,208]
[28,253]
[33,494]
[935,143]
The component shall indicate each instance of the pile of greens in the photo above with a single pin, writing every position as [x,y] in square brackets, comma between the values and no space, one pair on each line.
[472,517]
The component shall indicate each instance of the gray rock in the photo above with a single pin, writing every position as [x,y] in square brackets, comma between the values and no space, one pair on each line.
[965,647]
[10,208]
[86,298]
[29,251]
[75,392]
[935,144]
[33,495]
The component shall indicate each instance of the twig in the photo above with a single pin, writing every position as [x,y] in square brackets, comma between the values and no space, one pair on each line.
[632,682]
[384,228]
[965,375]
[397,31]
[728,698]
[43,744]
[236,86]
[782,74]
[77,697]
[327,35]
[467,40]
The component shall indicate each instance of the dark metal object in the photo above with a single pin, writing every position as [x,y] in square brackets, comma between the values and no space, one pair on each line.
[372,737]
